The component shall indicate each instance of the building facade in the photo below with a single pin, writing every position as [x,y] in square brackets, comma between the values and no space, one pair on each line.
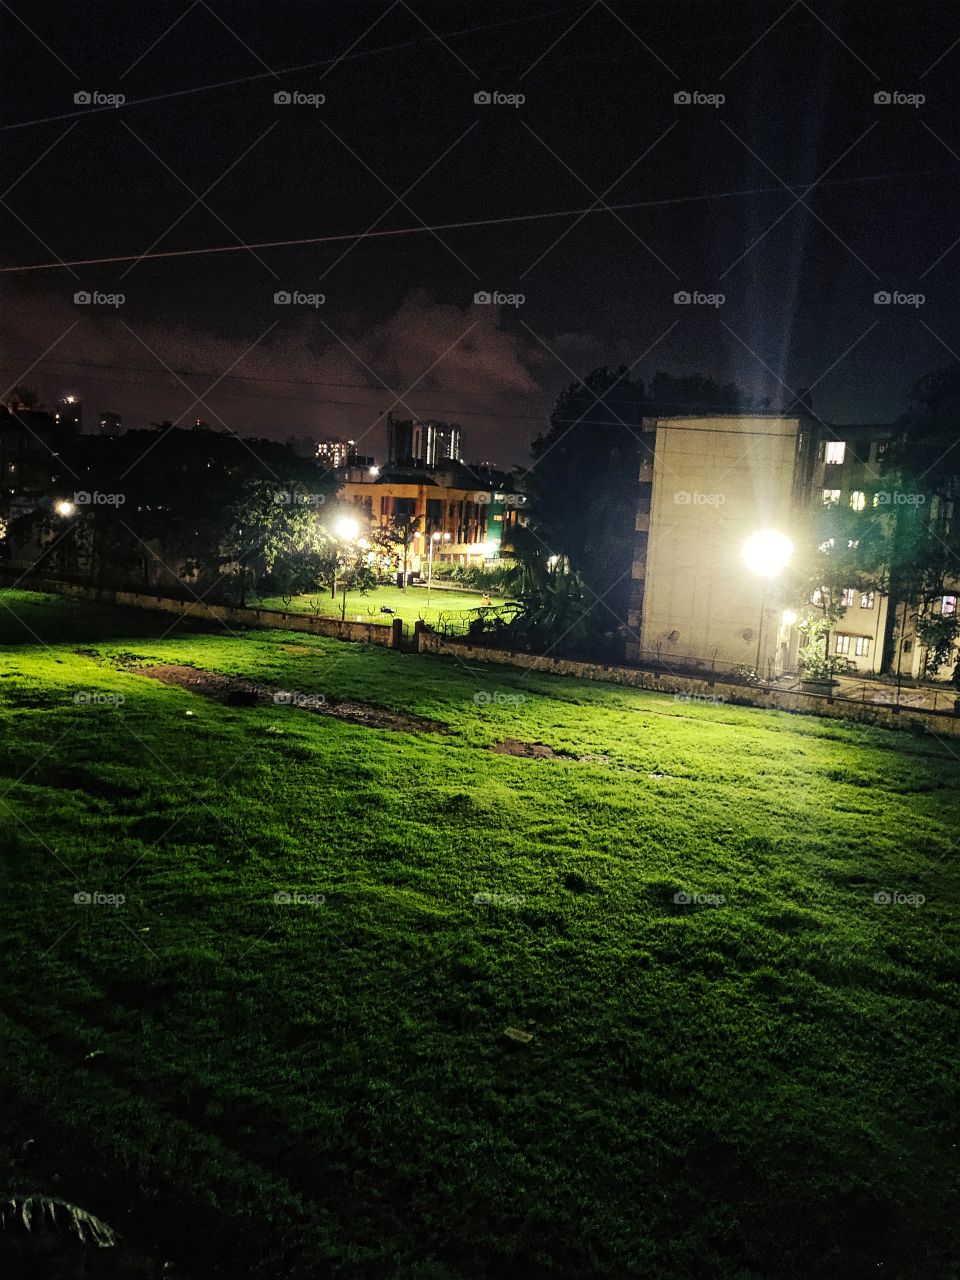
[707,485]
[418,442]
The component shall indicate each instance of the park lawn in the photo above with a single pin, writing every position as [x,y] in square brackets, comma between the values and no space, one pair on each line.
[366,605]
[762,1087]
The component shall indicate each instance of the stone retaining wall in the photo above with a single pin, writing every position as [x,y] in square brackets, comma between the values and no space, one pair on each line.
[363,632]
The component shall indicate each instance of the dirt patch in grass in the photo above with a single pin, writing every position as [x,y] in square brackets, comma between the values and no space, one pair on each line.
[239,692]
[527,750]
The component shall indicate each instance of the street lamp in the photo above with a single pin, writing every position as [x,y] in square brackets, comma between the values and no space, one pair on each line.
[346,529]
[766,554]
[434,538]
[64,508]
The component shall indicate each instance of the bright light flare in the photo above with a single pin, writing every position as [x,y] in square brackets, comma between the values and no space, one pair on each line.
[767,553]
[64,508]
[346,528]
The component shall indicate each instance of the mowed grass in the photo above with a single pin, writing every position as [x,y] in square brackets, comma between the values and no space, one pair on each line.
[365,606]
[760,1088]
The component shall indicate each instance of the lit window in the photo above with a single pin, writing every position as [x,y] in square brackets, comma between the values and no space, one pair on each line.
[846,597]
[824,547]
[843,644]
[858,499]
[831,497]
[862,648]
[835,451]
[867,599]
[948,605]
[817,597]
[853,542]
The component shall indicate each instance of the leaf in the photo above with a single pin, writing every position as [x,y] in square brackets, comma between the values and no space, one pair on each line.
[31,1213]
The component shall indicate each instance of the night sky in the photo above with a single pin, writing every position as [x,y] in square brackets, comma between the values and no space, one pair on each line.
[701,195]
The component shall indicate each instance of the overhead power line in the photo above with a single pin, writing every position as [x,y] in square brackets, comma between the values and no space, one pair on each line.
[506,220]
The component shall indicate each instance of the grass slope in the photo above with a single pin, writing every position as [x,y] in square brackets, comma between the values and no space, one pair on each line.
[761,1088]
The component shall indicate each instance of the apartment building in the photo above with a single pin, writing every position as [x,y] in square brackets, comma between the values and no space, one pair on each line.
[708,484]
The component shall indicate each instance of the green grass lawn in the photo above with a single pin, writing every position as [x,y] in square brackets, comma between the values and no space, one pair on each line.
[408,605]
[759,1084]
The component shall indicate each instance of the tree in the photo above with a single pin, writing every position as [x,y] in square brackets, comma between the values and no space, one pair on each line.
[582,493]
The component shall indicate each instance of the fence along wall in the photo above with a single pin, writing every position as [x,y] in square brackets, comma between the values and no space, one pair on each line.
[940,724]
[385,635]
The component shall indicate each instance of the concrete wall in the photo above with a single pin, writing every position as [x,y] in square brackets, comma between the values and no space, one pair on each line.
[941,724]
[716,481]
[364,632]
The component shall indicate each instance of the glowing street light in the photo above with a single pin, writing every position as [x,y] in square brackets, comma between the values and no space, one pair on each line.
[64,508]
[766,554]
[346,529]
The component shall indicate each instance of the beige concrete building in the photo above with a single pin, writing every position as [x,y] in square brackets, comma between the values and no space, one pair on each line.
[707,485]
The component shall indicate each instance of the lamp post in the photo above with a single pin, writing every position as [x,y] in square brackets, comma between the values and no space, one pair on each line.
[767,554]
[346,529]
[434,538]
